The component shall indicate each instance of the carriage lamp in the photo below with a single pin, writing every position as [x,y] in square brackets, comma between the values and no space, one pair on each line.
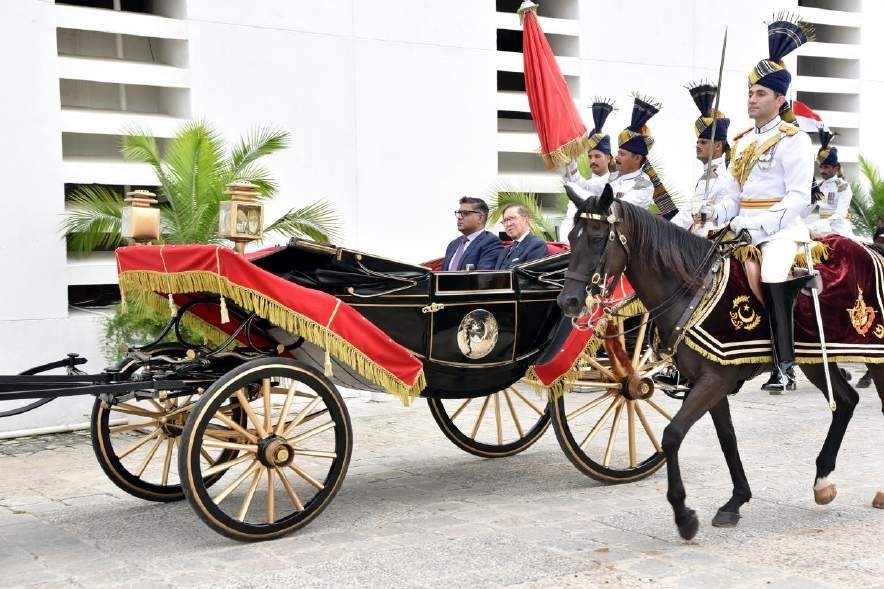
[140,222]
[241,219]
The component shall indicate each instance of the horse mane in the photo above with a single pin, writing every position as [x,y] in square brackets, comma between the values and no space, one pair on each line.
[671,247]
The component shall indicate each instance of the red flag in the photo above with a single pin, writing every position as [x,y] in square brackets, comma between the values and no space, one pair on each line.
[807,119]
[562,134]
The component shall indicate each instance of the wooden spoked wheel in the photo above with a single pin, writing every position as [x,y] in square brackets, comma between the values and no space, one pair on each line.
[611,424]
[136,442]
[293,451]
[500,424]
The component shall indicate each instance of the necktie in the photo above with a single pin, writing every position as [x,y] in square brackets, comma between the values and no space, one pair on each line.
[455,259]
[512,251]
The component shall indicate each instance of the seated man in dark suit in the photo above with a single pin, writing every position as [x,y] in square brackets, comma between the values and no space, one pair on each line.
[476,249]
[525,246]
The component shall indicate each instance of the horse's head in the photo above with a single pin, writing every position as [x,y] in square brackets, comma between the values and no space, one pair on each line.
[598,251]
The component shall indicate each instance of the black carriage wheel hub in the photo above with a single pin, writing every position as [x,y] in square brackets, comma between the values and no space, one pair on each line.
[173,426]
[275,451]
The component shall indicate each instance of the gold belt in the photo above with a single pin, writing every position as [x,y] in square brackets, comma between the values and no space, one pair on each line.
[764,203]
[826,215]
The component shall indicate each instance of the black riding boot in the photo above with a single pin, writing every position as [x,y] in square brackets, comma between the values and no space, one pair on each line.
[780,300]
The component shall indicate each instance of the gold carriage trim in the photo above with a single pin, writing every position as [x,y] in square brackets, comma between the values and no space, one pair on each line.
[565,153]
[279,315]
[565,382]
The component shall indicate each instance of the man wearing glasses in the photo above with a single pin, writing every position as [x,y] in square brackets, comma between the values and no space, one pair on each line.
[525,246]
[475,249]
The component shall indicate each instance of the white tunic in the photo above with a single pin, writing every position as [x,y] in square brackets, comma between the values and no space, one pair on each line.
[635,188]
[594,185]
[777,189]
[833,208]
[718,182]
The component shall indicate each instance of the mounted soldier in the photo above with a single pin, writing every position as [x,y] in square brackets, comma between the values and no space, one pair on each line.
[769,190]
[835,191]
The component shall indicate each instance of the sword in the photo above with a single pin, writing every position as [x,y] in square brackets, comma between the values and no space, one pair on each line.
[694,208]
[819,324]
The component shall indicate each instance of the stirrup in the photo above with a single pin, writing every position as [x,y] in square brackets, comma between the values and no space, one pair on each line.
[780,380]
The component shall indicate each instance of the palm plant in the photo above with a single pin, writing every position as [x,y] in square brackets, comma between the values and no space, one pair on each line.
[192,172]
[867,206]
[541,226]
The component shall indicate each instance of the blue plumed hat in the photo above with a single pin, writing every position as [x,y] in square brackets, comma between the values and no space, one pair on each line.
[704,97]
[784,35]
[827,155]
[637,137]
[601,108]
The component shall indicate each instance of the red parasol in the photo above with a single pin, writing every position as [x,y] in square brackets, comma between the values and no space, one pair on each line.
[562,133]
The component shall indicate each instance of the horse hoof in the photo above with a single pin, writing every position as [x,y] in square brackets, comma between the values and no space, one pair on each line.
[825,495]
[725,519]
[878,501]
[688,525]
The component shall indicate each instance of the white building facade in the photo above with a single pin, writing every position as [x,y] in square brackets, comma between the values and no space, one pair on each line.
[396,108]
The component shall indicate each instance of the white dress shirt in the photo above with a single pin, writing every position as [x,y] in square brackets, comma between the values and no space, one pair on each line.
[635,188]
[718,181]
[782,176]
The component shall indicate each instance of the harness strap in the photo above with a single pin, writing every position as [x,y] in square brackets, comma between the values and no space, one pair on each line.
[679,331]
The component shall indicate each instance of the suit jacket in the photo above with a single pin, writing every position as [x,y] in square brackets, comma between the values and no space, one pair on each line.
[482,253]
[531,248]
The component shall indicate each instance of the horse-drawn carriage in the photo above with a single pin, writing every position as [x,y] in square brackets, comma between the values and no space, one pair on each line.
[251,428]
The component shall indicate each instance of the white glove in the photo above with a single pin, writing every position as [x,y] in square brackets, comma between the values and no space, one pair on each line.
[705,215]
[739,223]
[571,171]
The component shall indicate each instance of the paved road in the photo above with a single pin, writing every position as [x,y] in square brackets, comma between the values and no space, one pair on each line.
[416,511]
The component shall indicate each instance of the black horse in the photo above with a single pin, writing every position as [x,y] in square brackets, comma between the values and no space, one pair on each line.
[664,265]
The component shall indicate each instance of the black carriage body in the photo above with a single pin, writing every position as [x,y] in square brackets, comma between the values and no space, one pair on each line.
[475,332]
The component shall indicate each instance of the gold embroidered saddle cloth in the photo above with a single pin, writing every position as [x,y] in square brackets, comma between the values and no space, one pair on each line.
[730,325]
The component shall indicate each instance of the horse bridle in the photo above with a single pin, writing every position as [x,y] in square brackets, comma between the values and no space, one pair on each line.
[614,234]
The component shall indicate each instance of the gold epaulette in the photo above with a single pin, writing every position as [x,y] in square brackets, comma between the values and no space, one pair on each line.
[788,129]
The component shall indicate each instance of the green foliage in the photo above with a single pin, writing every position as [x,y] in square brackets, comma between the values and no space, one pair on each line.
[541,226]
[867,206]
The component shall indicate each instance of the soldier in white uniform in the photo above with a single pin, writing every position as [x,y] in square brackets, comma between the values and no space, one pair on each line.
[836,192]
[707,191]
[769,191]
[601,163]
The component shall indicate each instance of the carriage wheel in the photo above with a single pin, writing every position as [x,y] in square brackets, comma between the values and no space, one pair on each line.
[136,442]
[609,426]
[293,450]
[497,425]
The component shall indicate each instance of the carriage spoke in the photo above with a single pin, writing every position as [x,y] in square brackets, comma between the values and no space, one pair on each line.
[236,482]
[509,402]
[647,426]
[314,453]
[310,433]
[257,421]
[289,396]
[293,495]
[306,476]
[630,418]
[268,408]
[526,401]
[225,435]
[461,408]
[598,366]
[659,409]
[290,429]
[598,426]
[497,419]
[250,494]
[130,410]
[162,410]
[639,340]
[236,427]
[167,460]
[481,415]
[253,448]
[612,437]
[132,426]
[646,357]
[139,443]
[216,468]
[271,496]
[297,393]
[592,404]
[153,450]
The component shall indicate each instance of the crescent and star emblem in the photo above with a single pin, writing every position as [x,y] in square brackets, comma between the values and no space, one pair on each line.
[743,315]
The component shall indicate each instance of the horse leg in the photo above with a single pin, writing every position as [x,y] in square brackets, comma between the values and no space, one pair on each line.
[729,514]
[705,394]
[877,373]
[846,399]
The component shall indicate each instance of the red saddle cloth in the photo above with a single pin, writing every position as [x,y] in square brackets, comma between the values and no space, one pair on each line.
[731,326]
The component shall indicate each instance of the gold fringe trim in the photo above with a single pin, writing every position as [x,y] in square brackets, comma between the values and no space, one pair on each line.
[718,360]
[563,155]
[819,252]
[747,252]
[279,315]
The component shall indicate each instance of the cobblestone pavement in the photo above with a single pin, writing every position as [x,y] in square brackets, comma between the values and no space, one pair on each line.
[416,511]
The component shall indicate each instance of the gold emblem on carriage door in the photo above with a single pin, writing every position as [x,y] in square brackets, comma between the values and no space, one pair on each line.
[477,334]
[861,315]
[743,316]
